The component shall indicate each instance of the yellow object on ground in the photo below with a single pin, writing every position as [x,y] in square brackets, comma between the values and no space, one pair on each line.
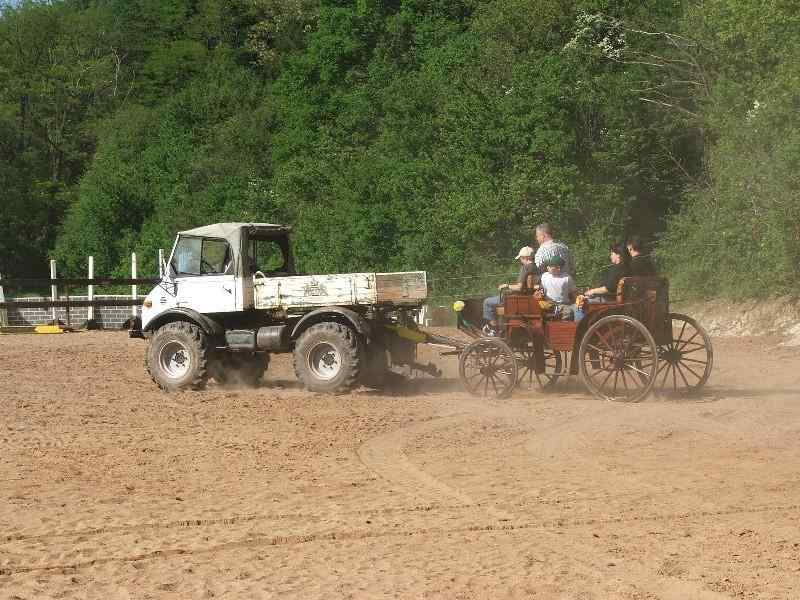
[48,329]
[409,334]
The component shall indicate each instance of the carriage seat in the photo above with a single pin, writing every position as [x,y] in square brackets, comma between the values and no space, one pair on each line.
[637,289]
[647,299]
[519,305]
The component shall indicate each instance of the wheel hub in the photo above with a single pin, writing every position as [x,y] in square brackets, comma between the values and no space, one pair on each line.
[672,356]
[324,361]
[174,359]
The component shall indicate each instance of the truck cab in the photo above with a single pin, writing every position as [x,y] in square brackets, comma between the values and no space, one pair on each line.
[212,269]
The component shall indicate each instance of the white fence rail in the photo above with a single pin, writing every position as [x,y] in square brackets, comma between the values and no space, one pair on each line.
[89,309]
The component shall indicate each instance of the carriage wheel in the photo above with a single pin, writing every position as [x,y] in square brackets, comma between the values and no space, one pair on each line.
[553,364]
[488,368]
[618,359]
[686,362]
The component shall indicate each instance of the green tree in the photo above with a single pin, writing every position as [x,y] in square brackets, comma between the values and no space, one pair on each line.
[58,71]
[737,231]
[192,160]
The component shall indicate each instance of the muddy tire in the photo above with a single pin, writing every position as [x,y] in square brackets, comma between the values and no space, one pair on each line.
[238,368]
[327,358]
[177,357]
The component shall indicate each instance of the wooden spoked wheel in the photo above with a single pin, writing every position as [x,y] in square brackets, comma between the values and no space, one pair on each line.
[618,359]
[686,362]
[488,368]
[526,366]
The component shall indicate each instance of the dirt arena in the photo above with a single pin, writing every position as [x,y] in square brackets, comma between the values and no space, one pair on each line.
[112,489]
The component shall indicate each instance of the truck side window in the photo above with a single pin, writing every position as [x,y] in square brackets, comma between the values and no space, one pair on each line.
[266,256]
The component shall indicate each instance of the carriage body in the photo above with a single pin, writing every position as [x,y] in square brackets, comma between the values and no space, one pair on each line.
[621,347]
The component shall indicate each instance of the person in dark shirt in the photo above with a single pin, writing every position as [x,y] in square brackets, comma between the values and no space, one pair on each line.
[527,282]
[528,279]
[619,268]
[640,265]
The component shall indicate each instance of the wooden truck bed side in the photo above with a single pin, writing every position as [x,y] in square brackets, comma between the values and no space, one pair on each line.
[347,289]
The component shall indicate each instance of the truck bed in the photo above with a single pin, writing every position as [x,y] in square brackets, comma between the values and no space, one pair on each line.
[408,288]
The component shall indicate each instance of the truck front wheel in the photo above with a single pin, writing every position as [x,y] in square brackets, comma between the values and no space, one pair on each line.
[177,357]
[327,358]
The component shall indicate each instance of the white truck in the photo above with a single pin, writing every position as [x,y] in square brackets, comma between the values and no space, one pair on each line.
[229,297]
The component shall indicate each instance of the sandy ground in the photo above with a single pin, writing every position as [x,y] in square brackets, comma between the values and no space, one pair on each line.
[111,489]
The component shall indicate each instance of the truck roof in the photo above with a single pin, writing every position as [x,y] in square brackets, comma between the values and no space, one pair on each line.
[228,230]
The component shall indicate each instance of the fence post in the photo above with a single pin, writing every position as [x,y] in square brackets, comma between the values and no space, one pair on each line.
[161,263]
[3,312]
[134,289]
[53,292]
[90,321]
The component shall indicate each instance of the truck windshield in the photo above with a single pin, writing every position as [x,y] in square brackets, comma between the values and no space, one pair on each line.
[201,256]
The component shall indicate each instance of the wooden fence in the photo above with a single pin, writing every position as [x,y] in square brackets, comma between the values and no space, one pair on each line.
[58,300]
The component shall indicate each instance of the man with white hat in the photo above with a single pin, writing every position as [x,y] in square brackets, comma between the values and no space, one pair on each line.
[526,282]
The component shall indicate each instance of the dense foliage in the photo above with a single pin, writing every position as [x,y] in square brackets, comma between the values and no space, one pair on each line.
[404,134]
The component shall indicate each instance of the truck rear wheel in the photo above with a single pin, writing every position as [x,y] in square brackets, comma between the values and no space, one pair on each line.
[177,357]
[238,368]
[327,358]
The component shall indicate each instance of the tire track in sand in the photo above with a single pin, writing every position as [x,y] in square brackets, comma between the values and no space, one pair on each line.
[385,456]
[256,540]
[423,508]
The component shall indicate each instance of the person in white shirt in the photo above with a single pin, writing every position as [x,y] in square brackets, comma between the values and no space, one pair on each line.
[548,248]
[558,287]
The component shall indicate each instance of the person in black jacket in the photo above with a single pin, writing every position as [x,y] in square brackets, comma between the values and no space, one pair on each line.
[640,264]
[619,268]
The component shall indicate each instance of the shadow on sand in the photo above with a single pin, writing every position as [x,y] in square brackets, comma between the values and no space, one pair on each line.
[568,387]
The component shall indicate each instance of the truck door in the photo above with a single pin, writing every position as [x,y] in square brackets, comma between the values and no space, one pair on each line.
[267,259]
[204,275]
[244,291]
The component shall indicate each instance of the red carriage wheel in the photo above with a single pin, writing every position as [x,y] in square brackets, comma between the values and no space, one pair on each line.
[618,359]
[488,368]
[553,366]
[686,362]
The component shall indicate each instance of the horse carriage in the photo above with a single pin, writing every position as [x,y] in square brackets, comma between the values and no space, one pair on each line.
[622,348]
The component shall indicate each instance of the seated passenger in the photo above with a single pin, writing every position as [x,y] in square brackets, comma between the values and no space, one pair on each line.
[640,265]
[559,287]
[618,269]
[527,281]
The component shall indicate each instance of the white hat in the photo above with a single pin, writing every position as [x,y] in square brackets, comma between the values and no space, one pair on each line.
[524,251]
